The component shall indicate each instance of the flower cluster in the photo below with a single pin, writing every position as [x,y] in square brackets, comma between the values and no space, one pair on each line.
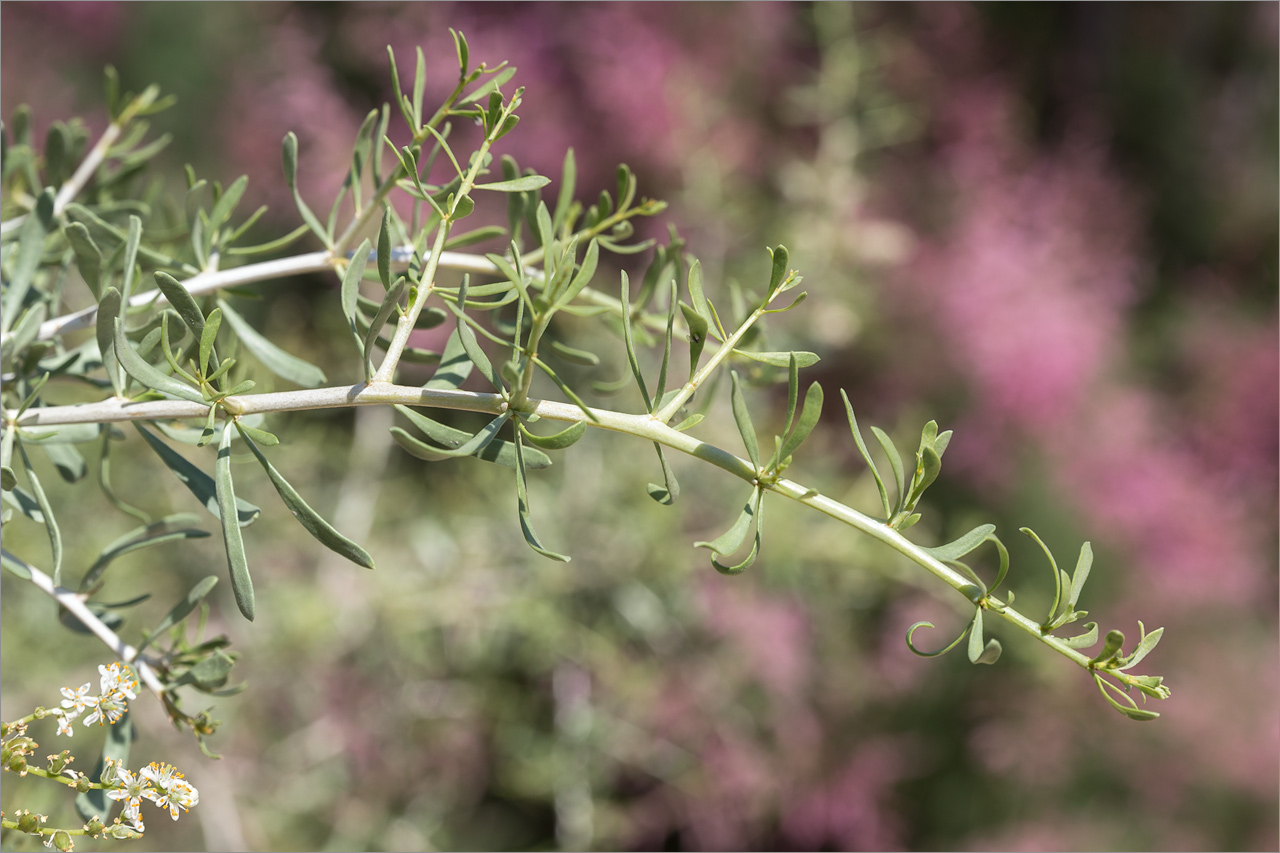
[162,784]
[116,688]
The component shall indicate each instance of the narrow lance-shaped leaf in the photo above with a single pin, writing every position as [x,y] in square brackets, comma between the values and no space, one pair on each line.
[980,653]
[731,540]
[809,416]
[518,185]
[743,419]
[522,502]
[182,301]
[780,359]
[290,157]
[50,523]
[30,249]
[555,441]
[167,529]
[564,199]
[108,311]
[895,464]
[469,342]
[1081,574]
[389,304]
[669,492]
[498,450]
[630,343]
[351,290]
[324,532]
[779,270]
[149,376]
[454,367]
[282,364]
[237,560]
[200,483]
[207,338]
[88,256]
[180,610]
[384,249]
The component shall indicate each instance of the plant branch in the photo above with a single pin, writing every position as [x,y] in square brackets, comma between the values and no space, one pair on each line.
[644,426]
[71,600]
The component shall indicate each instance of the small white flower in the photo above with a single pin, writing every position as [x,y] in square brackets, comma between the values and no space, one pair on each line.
[132,790]
[172,791]
[77,700]
[64,725]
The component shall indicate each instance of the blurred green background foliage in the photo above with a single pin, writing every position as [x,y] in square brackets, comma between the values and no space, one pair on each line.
[1051,227]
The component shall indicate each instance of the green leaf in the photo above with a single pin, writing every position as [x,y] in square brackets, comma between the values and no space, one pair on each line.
[201,484]
[279,362]
[227,203]
[731,540]
[163,530]
[67,460]
[576,356]
[518,185]
[779,270]
[1110,648]
[689,422]
[978,652]
[1081,574]
[942,651]
[1083,641]
[291,179]
[469,342]
[15,566]
[180,610]
[351,290]
[237,560]
[866,455]
[895,464]
[88,256]
[454,367]
[564,199]
[586,271]
[149,376]
[311,521]
[522,502]
[384,249]
[958,548]
[555,441]
[478,235]
[31,238]
[207,338]
[780,359]
[628,340]
[1146,643]
[809,416]
[669,492]
[182,301]
[498,451]
[46,510]
[743,419]
[389,304]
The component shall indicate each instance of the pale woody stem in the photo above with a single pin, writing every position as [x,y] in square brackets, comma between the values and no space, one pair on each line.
[72,602]
[642,426]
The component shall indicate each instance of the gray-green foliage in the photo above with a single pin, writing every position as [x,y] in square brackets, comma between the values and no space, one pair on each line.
[182,361]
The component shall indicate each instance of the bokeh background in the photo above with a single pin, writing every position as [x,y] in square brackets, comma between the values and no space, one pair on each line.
[1052,227]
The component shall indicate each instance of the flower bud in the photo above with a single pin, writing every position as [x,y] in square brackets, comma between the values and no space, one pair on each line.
[62,841]
[94,827]
[28,822]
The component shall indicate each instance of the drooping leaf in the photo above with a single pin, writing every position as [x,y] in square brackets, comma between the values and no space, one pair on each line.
[498,451]
[323,532]
[669,492]
[237,560]
[46,511]
[88,256]
[201,484]
[555,441]
[522,503]
[290,157]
